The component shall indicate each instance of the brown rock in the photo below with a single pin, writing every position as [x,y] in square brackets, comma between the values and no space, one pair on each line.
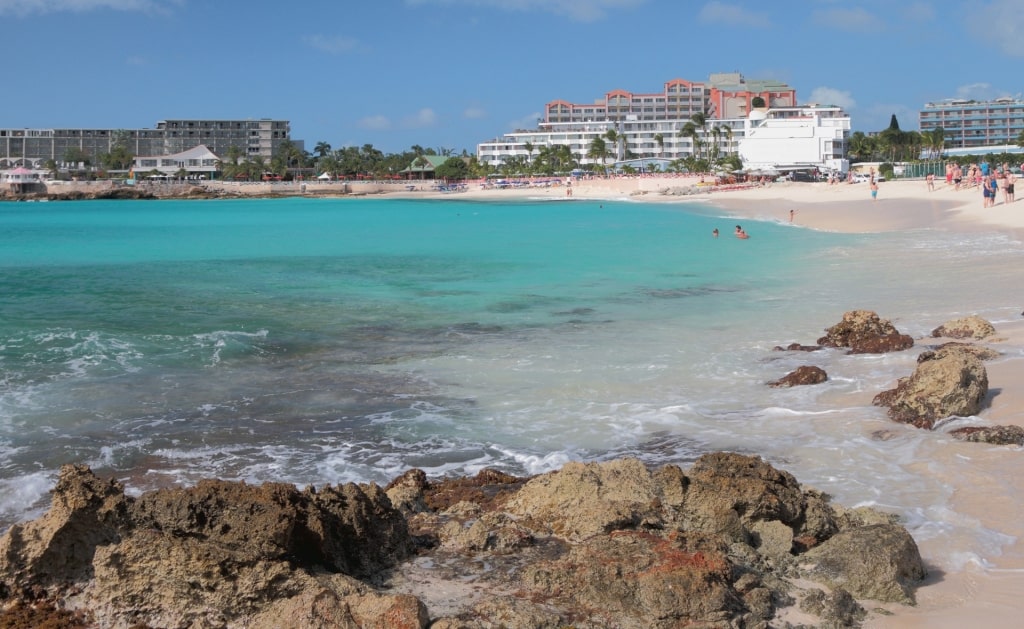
[796,347]
[879,562]
[980,352]
[951,383]
[996,435]
[586,499]
[806,374]
[634,579]
[86,512]
[972,327]
[856,324]
[880,344]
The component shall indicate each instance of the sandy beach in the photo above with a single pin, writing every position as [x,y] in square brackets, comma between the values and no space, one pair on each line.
[988,481]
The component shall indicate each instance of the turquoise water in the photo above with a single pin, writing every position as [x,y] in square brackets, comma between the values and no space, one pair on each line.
[323,341]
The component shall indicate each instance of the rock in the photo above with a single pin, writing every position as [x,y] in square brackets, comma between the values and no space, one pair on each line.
[838,609]
[406,492]
[972,327]
[590,545]
[879,562]
[86,512]
[805,374]
[948,383]
[796,347]
[865,333]
[996,435]
[881,344]
[349,529]
[978,351]
[636,579]
[586,499]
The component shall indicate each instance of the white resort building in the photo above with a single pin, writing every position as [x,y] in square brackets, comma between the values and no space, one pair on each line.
[781,138]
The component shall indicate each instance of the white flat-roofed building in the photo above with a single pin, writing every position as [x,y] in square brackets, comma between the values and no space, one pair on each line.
[793,138]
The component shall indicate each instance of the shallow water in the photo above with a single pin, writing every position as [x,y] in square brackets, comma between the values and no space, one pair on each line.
[320,341]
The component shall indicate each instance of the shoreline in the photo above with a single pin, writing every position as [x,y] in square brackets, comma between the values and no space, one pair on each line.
[992,479]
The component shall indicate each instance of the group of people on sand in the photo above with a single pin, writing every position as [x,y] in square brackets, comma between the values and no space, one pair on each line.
[990,180]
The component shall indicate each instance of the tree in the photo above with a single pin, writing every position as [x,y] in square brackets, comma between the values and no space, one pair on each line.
[120,156]
[598,150]
[75,155]
[452,168]
[613,138]
[322,148]
[935,142]
[529,151]
[1020,139]
[757,102]
[659,139]
[689,130]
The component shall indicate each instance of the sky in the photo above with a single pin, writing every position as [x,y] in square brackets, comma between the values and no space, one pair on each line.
[449,74]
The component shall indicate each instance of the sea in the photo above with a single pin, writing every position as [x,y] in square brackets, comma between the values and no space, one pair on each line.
[334,340]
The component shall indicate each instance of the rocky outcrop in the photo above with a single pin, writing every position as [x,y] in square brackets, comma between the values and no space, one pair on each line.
[947,382]
[591,545]
[864,332]
[996,435]
[805,374]
[972,327]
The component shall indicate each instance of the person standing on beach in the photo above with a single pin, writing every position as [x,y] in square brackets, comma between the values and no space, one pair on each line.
[1010,179]
[874,189]
[930,178]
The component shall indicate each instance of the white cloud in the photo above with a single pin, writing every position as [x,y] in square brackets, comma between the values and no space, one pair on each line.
[855,20]
[975,91]
[732,15]
[998,24]
[422,118]
[526,122]
[334,45]
[375,123]
[832,96]
[33,7]
[578,10]
[474,113]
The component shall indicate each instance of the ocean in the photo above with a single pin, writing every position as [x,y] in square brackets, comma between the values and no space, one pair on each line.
[323,341]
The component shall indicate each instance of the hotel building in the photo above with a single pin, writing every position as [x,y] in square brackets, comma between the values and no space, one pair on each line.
[973,124]
[34,147]
[650,124]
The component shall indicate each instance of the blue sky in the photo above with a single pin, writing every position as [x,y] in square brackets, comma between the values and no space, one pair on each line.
[447,74]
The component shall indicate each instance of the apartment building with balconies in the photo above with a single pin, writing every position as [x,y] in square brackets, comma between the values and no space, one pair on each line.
[975,124]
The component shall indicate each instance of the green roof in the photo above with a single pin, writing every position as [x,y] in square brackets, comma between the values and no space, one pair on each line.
[434,162]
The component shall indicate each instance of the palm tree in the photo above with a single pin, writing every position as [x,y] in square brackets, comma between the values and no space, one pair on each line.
[1020,139]
[612,144]
[728,137]
[322,148]
[716,134]
[598,150]
[659,139]
[529,150]
[935,141]
[689,130]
